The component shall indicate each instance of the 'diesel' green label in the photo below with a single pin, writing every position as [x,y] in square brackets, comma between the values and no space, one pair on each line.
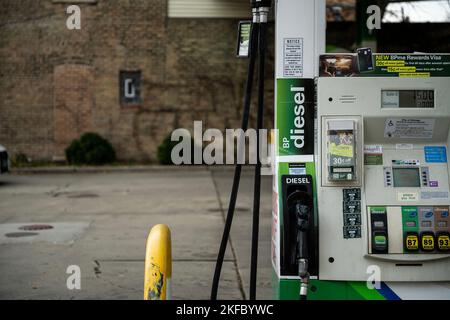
[295,116]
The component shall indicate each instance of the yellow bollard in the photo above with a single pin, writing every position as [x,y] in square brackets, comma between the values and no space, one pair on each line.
[158,264]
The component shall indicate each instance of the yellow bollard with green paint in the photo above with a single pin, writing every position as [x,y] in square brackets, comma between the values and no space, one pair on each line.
[158,264]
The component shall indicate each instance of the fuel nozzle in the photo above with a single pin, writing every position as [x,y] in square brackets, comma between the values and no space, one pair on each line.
[301,206]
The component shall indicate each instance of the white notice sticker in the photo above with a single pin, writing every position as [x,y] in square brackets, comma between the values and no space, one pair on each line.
[293,57]
[409,196]
[409,128]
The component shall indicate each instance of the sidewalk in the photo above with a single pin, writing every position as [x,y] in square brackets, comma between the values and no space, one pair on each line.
[117,208]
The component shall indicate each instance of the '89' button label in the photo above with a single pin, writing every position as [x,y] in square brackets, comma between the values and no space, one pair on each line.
[427,242]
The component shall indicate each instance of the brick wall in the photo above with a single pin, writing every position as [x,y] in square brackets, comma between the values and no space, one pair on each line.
[73,104]
[56,83]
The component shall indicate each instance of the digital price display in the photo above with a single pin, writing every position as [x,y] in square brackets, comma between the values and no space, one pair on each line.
[407,99]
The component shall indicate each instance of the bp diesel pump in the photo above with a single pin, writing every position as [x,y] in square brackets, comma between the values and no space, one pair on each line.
[360,206]
[361,185]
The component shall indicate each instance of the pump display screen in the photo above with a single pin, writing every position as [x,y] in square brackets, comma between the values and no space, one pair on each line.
[407,99]
[406,177]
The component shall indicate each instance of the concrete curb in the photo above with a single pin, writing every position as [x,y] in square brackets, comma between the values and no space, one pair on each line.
[107,169]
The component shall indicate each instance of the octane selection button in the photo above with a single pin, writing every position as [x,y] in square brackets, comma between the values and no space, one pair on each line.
[427,241]
[411,242]
[443,241]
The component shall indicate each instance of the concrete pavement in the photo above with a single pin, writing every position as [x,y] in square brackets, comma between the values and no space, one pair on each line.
[101,221]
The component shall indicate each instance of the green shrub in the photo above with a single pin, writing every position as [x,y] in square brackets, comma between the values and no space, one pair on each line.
[74,153]
[20,159]
[165,151]
[91,149]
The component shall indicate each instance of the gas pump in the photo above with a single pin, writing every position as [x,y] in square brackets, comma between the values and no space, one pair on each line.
[383,183]
[361,187]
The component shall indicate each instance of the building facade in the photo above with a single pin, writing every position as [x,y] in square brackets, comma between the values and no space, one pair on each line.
[136,70]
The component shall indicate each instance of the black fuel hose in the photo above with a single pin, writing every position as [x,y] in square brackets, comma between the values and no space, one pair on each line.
[257,181]
[237,173]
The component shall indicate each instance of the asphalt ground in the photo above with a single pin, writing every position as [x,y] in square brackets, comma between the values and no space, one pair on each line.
[100,224]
